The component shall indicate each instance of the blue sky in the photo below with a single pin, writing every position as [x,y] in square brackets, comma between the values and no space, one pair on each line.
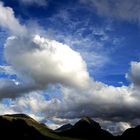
[63,52]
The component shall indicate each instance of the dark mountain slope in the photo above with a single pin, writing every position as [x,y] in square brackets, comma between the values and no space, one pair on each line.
[64,128]
[21,126]
[131,134]
[88,129]
[11,127]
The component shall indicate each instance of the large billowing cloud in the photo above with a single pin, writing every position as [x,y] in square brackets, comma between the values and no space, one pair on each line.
[46,61]
[39,61]
[121,9]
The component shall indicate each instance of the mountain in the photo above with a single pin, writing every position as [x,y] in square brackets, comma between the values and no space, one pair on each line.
[87,129]
[131,134]
[64,128]
[21,126]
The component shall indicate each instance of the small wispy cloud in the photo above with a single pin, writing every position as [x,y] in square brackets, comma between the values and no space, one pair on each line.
[127,10]
[34,2]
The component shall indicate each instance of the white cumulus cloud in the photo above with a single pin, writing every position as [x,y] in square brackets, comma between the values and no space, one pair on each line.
[8,20]
[46,61]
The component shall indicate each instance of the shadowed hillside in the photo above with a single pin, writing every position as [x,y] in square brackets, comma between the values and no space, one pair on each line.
[86,128]
[21,126]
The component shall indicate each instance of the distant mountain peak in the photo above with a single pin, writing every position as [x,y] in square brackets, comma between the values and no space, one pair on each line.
[87,129]
[87,121]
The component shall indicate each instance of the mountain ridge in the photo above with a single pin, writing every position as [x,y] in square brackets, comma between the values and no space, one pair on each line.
[22,126]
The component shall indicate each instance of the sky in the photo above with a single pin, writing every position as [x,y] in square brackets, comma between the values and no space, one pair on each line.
[64,60]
